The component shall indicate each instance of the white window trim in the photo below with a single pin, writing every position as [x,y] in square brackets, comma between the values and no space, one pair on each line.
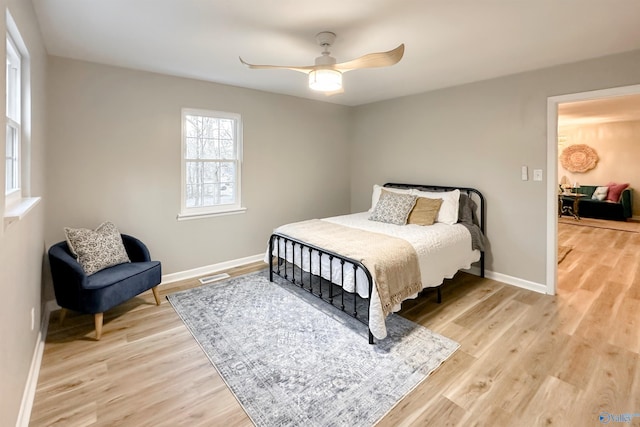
[14,194]
[18,209]
[218,210]
[17,203]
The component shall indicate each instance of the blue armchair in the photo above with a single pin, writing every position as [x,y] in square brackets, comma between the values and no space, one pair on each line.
[98,292]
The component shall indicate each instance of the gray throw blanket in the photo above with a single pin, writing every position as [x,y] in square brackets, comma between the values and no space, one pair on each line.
[467,217]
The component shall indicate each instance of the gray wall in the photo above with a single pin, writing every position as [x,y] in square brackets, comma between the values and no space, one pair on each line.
[22,243]
[115,155]
[480,135]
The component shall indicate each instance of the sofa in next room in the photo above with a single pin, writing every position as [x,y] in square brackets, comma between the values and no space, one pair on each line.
[612,201]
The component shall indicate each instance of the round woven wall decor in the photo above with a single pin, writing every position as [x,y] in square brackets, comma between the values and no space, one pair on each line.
[579,158]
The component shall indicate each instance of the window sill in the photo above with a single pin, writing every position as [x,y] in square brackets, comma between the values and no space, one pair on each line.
[188,217]
[19,209]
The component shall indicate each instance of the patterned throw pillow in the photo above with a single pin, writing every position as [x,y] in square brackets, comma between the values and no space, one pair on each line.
[393,208]
[97,249]
[377,190]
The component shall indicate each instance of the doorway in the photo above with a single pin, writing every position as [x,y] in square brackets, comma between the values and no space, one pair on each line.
[552,170]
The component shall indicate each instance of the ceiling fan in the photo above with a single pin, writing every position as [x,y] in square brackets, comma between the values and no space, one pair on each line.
[326,75]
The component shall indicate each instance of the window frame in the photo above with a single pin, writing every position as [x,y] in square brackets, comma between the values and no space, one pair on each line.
[13,122]
[217,209]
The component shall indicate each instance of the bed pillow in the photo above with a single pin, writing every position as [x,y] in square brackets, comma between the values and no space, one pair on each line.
[393,208]
[377,189]
[600,193]
[615,190]
[448,213]
[96,249]
[425,211]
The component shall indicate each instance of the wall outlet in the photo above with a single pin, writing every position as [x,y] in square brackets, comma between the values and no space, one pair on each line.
[537,174]
[525,173]
[33,318]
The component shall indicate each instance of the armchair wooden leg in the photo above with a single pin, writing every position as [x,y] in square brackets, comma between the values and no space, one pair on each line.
[156,295]
[98,322]
[63,314]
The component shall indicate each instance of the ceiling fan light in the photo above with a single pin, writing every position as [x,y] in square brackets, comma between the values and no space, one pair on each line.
[325,80]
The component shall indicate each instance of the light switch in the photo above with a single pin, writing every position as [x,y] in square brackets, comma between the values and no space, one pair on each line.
[537,174]
[525,173]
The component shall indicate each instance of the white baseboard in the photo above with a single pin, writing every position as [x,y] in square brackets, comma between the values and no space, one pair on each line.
[510,280]
[516,281]
[32,379]
[214,268]
[210,269]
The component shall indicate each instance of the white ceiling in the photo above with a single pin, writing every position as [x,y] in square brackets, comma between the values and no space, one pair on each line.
[613,109]
[448,42]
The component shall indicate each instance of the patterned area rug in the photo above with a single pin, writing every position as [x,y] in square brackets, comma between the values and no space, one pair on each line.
[292,364]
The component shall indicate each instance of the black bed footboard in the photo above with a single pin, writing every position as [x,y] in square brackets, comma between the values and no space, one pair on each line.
[301,264]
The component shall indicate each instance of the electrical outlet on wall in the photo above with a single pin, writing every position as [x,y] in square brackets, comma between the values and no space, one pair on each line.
[525,173]
[537,174]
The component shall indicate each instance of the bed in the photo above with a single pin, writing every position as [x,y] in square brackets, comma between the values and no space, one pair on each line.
[367,263]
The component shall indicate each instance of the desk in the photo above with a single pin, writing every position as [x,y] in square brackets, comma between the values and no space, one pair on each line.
[571,210]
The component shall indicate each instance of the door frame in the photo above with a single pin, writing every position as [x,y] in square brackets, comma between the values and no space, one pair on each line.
[552,169]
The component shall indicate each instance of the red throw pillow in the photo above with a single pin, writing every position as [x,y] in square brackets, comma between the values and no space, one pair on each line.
[615,190]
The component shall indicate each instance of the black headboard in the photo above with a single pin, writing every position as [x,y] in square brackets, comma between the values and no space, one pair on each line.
[473,193]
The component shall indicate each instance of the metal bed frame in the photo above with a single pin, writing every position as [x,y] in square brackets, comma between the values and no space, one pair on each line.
[334,292]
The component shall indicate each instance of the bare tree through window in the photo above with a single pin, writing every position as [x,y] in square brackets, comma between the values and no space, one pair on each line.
[211,150]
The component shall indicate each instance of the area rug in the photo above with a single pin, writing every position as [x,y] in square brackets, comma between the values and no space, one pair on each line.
[563,251]
[291,363]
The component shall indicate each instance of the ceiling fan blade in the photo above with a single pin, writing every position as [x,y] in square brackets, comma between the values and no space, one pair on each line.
[372,60]
[302,69]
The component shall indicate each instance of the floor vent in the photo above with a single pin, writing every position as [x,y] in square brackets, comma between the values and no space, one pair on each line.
[214,278]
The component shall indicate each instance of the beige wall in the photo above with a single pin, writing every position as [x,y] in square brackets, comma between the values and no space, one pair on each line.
[115,155]
[618,148]
[480,135]
[22,243]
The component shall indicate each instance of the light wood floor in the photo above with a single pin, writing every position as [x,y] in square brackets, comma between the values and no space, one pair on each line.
[526,359]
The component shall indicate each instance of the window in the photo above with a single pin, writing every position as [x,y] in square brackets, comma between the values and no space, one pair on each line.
[12,169]
[17,201]
[211,163]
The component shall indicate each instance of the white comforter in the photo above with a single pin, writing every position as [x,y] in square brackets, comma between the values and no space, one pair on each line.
[442,250]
